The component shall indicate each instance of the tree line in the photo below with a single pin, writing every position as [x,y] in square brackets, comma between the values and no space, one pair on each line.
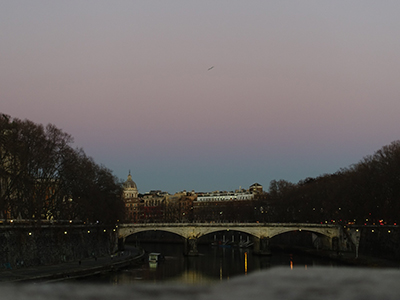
[367,192]
[42,177]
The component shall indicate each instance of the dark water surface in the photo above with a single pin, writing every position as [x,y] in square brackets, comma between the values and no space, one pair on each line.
[211,266]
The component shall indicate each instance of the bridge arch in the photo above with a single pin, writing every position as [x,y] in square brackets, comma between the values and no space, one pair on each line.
[152,236]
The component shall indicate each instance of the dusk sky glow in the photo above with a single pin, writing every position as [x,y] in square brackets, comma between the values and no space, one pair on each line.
[298,89]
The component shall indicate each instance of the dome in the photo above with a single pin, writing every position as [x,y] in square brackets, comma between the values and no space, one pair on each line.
[129,183]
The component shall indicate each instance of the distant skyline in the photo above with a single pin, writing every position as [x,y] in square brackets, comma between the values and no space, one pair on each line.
[299,88]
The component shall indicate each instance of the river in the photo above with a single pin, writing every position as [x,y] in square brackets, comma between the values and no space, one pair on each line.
[214,264]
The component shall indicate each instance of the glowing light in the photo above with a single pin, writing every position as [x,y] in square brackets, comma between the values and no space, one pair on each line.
[65,232]
[220,272]
[245,263]
[291,261]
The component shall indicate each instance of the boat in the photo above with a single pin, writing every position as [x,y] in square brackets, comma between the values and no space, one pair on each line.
[154,257]
[245,244]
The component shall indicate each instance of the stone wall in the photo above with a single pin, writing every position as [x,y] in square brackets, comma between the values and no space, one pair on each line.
[380,241]
[24,246]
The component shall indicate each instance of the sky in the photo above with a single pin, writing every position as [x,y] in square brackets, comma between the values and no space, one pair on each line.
[298,88]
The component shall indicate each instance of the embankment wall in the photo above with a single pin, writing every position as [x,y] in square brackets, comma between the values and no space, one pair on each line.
[380,241]
[25,246]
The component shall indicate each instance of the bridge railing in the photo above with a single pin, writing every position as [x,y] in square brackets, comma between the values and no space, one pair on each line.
[303,225]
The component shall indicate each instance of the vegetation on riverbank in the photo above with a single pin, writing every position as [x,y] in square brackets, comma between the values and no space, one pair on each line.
[367,192]
[44,178]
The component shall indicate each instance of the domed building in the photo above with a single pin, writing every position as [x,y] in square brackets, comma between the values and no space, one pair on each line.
[132,201]
[130,188]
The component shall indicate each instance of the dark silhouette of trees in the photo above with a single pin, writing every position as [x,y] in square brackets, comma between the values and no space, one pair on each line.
[43,178]
[365,193]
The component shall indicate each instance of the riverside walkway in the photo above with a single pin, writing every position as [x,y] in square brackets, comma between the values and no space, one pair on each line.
[85,267]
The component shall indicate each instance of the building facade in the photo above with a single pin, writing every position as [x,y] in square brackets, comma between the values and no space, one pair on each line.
[156,206]
[256,189]
[133,205]
[225,196]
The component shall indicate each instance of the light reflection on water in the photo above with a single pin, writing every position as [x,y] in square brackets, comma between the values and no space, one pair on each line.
[211,266]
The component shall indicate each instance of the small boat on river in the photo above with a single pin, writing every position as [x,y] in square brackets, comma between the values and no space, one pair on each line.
[245,244]
[154,257]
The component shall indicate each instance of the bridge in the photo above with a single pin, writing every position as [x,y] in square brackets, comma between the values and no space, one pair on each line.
[330,235]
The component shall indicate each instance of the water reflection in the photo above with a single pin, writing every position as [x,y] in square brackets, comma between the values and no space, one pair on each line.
[212,265]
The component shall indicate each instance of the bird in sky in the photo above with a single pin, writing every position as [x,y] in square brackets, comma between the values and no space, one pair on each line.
[210,68]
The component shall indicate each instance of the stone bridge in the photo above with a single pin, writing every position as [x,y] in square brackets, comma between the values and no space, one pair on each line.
[330,236]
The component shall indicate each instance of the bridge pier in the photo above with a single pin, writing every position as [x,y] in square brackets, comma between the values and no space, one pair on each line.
[355,235]
[327,243]
[261,246]
[120,244]
[191,247]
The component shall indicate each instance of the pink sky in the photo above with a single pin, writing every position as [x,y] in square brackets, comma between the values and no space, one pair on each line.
[298,88]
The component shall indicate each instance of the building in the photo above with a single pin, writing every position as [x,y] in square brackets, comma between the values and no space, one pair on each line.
[179,207]
[133,205]
[224,206]
[130,188]
[153,207]
[225,196]
[256,188]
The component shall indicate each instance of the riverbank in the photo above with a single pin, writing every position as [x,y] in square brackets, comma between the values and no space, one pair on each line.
[82,268]
[346,258]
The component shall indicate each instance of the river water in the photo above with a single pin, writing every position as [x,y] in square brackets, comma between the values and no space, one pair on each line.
[213,265]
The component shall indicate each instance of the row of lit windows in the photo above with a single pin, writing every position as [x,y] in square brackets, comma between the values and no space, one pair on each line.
[200,199]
